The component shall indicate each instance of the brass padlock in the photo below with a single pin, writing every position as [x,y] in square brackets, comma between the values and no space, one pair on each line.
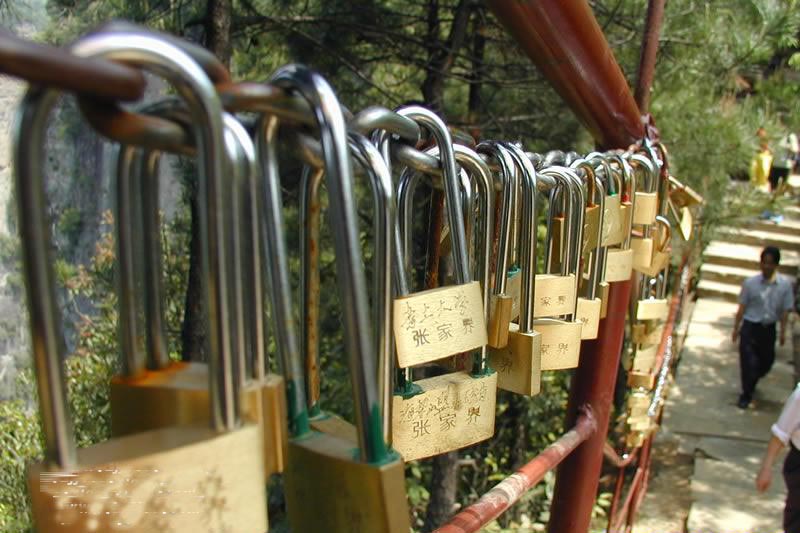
[619,261]
[502,300]
[465,400]
[561,338]
[643,380]
[644,359]
[613,232]
[647,332]
[661,249]
[174,393]
[589,306]
[118,485]
[347,490]
[518,364]
[646,206]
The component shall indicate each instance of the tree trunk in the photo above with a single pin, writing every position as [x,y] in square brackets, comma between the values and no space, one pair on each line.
[440,59]
[444,481]
[193,329]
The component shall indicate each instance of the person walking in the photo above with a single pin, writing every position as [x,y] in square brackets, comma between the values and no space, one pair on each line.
[765,299]
[783,163]
[785,432]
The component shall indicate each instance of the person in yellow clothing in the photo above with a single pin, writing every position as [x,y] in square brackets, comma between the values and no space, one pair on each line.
[761,165]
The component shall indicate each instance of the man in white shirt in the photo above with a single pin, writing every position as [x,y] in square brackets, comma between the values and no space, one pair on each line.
[783,162]
[785,432]
[765,299]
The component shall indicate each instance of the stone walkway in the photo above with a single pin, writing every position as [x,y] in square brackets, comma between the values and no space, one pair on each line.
[722,444]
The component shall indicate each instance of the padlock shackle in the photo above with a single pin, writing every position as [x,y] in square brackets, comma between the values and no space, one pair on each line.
[666,240]
[596,193]
[377,123]
[370,160]
[349,264]
[509,179]
[455,216]
[527,177]
[129,279]
[628,177]
[246,257]
[45,322]
[472,163]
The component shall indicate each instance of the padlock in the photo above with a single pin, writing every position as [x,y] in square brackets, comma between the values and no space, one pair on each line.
[502,301]
[649,306]
[589,306]
[561,337]
[465,399]
[644,359]
[644,380]
[619,261]
[647,332]
[518,364]
[150,480]
[174,393]
[613,232]
[646,203]
[329,487]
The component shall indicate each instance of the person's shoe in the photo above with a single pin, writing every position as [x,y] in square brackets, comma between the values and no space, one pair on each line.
[743,402]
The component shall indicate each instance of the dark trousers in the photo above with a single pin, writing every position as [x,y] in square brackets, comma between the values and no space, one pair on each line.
[756,354]
[791,475]
[776,176]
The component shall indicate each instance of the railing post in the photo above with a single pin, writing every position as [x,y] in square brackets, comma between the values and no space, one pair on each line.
[578,476]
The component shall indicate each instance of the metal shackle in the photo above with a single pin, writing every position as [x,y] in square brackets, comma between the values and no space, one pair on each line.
[30,134]
[528,180]
[349,265]
[596,193]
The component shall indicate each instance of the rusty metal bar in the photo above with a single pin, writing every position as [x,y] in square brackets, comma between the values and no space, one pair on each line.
[58,68]
[647,59]
[615,459]
[563,39]
[507,492]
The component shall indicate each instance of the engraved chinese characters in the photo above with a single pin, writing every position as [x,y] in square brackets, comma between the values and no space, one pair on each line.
[438,322]
[455,411]
[442,315]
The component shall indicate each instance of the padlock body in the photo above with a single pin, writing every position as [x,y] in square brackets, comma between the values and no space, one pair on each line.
[554,295]
[619,265]
[603,289]
[644,360]
[591,226]
[452,411]
[178,396]
[519,363]
[652,309]
[439,322]
[588,314]
[613,230]
[499,320]
[561,343]
[333,424]
[174,479]
[174,396]
[643,249]
[641,380]
[328,490]
[264,404]
[645,208]
[658,262]
[647,333]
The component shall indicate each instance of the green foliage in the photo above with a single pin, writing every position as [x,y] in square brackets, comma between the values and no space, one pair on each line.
[89,367]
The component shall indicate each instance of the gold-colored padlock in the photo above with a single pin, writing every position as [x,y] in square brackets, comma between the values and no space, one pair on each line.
[149,480]
[645,359]
[561,338]
[642,380]
[464,400]
[175,393]
[518,364]
[502,300]
[345,488]
[648,332]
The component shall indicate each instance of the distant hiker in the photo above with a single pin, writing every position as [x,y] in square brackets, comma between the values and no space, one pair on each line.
[765,299]
[783,162]
[785,432]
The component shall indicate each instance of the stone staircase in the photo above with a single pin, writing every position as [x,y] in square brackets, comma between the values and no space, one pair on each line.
[728,261]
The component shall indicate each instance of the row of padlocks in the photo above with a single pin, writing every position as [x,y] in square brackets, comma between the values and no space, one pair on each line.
[193,443]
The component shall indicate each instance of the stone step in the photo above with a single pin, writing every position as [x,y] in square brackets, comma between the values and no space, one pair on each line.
[760,238]
[729,274]
[788,226]
[747,256]
[717,290]
[791,212]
